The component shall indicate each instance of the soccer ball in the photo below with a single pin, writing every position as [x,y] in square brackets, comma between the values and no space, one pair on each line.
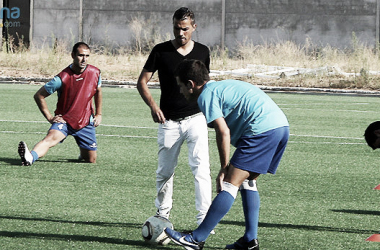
[153,230]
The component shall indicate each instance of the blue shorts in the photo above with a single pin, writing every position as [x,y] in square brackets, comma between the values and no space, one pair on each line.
[84,137]
[261,153]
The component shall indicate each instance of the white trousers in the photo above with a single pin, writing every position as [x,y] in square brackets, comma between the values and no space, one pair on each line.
[171,136]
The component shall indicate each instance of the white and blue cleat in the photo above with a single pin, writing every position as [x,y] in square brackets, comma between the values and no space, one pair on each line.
[184,240]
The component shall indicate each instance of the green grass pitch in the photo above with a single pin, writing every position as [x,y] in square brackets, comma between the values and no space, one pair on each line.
[322,196]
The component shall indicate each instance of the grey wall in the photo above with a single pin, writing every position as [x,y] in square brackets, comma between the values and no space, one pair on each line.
[111,19]
[323,21]
[55,19]
[260,21]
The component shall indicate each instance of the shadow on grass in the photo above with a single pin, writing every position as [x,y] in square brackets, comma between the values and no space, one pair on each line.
[17,161]
[92,223]
[66,237]
[80,238]
[304,227]
[11,161]
[357,212]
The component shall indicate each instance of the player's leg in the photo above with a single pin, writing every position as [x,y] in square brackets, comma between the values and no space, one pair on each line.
[198,154]
[219,207]
[53,138]
[56,134]
[251,207]
[222,202]
[88,155]
[262,153]
[169,146]
[86,141]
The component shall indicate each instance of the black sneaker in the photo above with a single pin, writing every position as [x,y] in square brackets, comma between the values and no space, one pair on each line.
[242,244]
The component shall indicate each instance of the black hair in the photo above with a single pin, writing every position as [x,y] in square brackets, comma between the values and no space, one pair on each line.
[183,13]
[79,44]
[370,135]
[194,70]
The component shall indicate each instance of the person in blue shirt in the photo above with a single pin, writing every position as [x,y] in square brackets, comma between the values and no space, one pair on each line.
[246,117]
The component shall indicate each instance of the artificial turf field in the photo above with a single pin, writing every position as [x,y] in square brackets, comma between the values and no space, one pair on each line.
[322,196]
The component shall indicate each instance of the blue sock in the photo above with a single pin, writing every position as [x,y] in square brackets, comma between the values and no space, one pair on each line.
[251,207]
[219,207]
[35,155]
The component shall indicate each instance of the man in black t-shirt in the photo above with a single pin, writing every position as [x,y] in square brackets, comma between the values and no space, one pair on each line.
[179,120]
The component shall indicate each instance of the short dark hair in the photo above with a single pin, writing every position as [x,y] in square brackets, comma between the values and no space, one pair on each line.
[183,13]
[194,70]
[370,135]
[79,44]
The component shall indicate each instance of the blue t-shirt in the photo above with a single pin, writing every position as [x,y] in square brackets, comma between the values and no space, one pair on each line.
[247,109]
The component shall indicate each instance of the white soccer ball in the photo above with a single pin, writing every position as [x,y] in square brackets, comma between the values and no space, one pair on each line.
[153,230]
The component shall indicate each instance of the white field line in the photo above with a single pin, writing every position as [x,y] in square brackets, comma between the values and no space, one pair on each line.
[337,143]
[129,136]
[327,136]
[44,133]
[155,137]
[122,126]
[104,125]
[335,110]
[320,104]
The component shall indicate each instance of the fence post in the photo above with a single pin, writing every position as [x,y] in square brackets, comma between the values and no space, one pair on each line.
[223,33]
[377,24]
[80,35]
[1,21]
[31,19]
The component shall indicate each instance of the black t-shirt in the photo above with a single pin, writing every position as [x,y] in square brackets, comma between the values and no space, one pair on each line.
[164,58]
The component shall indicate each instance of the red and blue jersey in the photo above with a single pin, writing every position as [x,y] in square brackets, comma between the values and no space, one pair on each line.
[75,93]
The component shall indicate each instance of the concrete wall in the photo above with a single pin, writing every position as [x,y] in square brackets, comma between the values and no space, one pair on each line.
[99,24]
[260,21]
[55,19]
[322,21]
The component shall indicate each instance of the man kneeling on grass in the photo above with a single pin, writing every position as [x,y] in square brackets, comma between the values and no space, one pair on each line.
[246,117]
[76,85]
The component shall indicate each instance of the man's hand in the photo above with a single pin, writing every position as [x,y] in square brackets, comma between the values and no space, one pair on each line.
[57,119]
[97,120]
[142,87]
[157,115]
[220,179]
